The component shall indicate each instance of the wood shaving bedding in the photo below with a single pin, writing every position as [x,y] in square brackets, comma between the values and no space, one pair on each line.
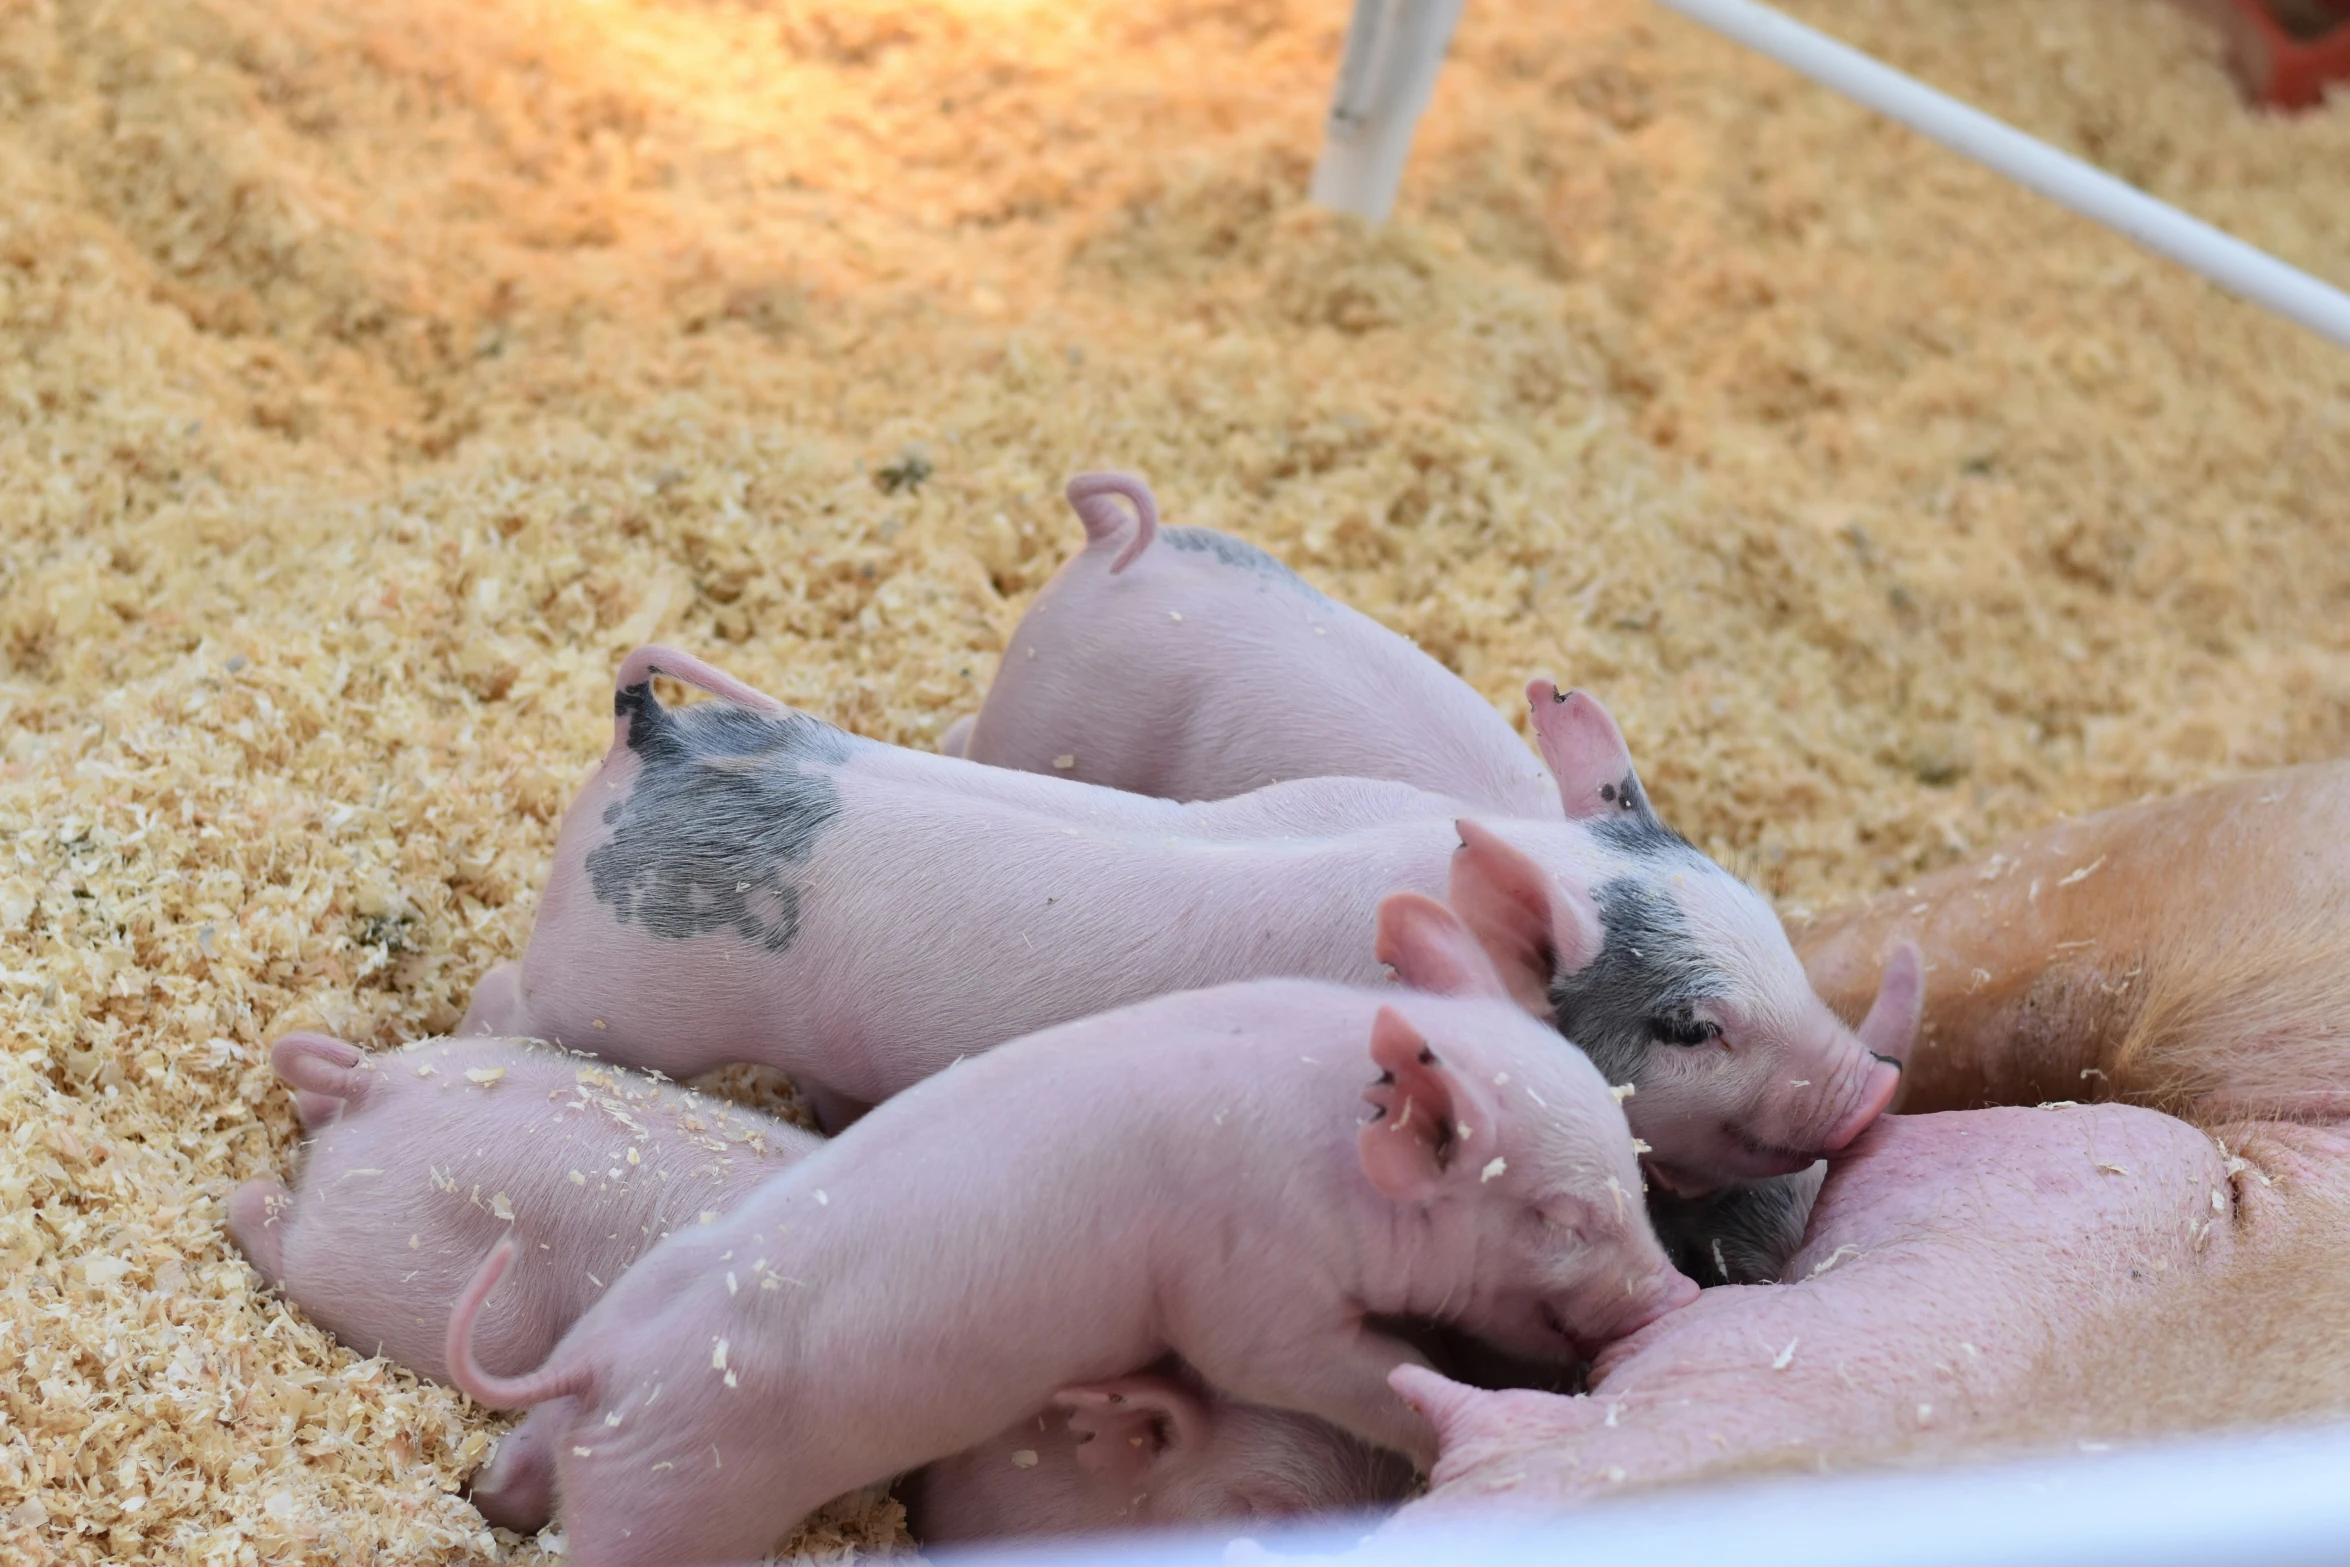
[373,375]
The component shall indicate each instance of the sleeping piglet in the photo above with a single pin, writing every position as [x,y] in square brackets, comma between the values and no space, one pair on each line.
[1188,663]
[420,1159]
[1188,1176]
[741,882]
[1155,1449]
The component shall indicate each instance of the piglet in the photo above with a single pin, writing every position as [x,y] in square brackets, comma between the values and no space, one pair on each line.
[1187,663]
[414,1153]
[741,882]
[1155,1449]
[419,1159]
[1187,1176]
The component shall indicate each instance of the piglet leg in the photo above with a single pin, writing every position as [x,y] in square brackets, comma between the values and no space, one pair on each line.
[516,1488]
[1340,1376]
[497,1008]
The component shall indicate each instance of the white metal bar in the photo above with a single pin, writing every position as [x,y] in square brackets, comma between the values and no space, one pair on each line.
[1393,51]
[2062,178]
[2255,1498]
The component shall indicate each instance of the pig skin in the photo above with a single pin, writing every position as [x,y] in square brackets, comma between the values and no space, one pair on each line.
[1188,663]
[1946,1253]
[2192,954]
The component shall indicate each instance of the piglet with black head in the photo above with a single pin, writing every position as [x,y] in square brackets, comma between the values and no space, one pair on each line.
[1676,978]
[742,882]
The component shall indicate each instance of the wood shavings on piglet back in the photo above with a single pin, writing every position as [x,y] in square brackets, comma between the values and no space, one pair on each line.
[373,375]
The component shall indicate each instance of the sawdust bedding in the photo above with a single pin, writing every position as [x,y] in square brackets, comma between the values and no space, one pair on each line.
[373,374]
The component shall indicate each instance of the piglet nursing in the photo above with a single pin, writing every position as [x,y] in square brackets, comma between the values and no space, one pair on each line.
[741,882]
[1189,1176]
[421,1159]
[1188,663]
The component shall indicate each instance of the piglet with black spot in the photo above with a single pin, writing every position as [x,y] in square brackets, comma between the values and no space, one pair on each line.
[1189,663]
[741,882]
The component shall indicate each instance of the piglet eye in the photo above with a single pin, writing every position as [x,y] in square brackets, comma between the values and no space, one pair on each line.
[1681,1026]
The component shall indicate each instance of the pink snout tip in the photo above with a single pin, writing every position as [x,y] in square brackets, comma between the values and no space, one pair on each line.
[1673,1289]
[1884,1082]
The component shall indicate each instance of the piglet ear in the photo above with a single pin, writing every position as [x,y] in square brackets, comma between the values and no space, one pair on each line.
[1891,1028]
[497,1007]
[1127,1426]
[1586,753]
[1414,1138]
[326,1075]
[1533,927]
[1430,949]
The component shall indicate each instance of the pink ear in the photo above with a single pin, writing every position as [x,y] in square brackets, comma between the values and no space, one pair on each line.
[1532,927]
[1891,1027]
[323,1072]
[497,1007]
[1430,949]
[1586,753]
[1126,1425]
[1415,1136]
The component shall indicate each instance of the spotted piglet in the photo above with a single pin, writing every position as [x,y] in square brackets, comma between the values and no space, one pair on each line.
[742,882]
[421,1159]
[1189,1176]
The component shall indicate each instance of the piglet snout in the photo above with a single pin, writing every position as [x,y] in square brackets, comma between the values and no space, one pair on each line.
[1647,1297]
[1877,1091]
[1660,1295]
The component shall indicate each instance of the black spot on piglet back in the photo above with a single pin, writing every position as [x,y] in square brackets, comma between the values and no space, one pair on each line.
[727,802]
[1238,554]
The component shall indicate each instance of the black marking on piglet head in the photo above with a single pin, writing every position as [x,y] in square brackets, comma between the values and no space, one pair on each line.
[1650,973]
[726,802]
